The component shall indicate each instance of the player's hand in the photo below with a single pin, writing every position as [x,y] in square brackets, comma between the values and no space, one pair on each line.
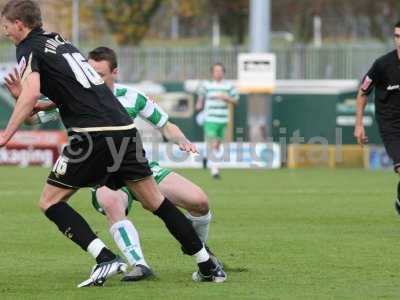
[188,147]
[359,134]
[40,106]
[13,83]
[43,106]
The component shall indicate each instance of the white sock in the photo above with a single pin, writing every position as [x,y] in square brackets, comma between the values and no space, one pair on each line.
[126,237]
[214,170]
[95,247]
[213,164]
[201,225]
[202,256]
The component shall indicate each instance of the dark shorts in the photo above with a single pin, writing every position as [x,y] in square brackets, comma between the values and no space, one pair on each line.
[393,150]
[101,158]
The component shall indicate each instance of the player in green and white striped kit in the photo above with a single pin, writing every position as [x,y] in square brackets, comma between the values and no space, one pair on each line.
[214,97]
[178,189]
[117,204]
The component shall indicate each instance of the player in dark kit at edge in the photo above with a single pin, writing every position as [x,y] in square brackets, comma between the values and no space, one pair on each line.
[104,149]
[384,79]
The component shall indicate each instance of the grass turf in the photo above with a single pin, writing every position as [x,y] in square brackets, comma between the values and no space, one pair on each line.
[304,234]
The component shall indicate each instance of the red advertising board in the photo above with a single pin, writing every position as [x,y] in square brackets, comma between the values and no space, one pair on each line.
[40,148]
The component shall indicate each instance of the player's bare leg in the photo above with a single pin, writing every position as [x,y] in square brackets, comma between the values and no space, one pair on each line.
[179,226]
[193,199]
[114,204]
[190,197]
[53,203]
[214,147]
[124,233]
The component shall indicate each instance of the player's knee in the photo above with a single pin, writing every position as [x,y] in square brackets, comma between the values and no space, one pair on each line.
[201,202]
[110,201]
[153,203]
[47,200]
[44,204]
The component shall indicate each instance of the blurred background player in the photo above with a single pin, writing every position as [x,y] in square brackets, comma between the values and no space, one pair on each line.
[215,96]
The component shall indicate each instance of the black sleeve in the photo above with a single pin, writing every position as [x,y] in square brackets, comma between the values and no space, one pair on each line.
[370,79]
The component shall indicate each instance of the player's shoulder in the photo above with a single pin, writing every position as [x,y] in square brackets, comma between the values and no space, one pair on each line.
[127,91]
[27,47]
[228,83]
[36,38]
[39,41]
[223,84]
[120,89]
[389,57]
[206,83]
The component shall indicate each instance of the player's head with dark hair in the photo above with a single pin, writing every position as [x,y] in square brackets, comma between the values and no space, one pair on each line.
[218,71]
[397,24]
[27,11]
[105,53]
[104,61]
[218,65]
[19,17]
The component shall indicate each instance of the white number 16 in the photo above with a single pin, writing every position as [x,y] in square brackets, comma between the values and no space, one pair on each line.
[84,72]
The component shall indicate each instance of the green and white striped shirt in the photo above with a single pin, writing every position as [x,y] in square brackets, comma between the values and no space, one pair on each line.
[216,110]
[135,103]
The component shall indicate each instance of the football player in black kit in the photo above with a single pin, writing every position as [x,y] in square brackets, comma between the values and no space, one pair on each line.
[104,148]
[384,79]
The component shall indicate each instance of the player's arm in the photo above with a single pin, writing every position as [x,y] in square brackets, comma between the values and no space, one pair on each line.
[367,85]
[173,134]
[29,96]
[359,130]
[201,97]
[155,115]
[200,103]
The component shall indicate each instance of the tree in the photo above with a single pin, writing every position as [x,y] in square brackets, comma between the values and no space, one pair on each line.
[128,20]
[233,16]
[197,15]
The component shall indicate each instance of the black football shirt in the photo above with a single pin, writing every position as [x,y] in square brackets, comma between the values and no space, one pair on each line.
[83,99]
[384,78]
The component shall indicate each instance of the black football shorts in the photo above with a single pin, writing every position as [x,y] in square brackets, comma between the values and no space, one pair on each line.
[100,158]
[393,150]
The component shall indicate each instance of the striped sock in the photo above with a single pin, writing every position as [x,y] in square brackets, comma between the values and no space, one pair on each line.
[126,237]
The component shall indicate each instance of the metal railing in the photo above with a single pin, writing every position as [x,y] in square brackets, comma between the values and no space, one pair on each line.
[346,61]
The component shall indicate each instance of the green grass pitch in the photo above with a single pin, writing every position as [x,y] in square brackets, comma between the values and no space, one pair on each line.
[304,234]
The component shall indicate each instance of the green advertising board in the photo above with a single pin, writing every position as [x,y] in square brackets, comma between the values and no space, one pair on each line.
[319,111]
